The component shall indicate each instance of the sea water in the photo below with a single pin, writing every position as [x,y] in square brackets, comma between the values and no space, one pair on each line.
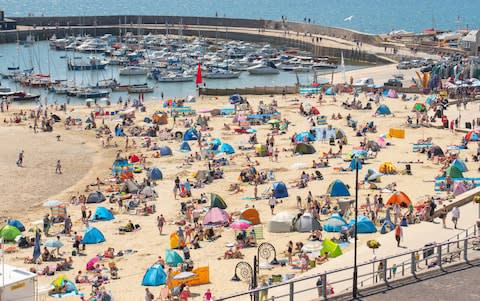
[374,16]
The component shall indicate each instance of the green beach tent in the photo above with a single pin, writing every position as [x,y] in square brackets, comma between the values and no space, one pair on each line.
[332,248]
[304,149]
[217,201]
[9,233]
[453,172]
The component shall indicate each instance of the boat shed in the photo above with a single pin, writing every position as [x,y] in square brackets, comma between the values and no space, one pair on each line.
[6,24]
[17,284]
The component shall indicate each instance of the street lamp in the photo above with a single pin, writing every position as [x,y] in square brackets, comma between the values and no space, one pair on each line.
[355,270]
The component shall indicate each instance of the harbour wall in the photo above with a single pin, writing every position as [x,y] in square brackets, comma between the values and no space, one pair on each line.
[257,90]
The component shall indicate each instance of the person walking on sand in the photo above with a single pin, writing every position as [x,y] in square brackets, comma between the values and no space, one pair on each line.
[443,216]
[58,169]
[20,159]
[126,143]
[272,202]
[207,296]
[398,234]
[160,223]
[455,216]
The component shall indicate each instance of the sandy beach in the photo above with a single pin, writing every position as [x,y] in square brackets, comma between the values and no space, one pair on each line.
[84,159]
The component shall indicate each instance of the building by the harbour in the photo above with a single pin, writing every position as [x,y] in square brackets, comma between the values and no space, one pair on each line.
[6,24]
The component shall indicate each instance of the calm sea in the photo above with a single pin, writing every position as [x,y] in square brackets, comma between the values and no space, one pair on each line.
[375,16]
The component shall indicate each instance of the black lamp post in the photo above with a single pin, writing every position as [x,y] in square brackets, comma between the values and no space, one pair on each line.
[355,271]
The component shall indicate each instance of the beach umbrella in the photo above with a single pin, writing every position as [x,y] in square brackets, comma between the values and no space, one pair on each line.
[240,225]
[53,243]
[52,203]
[184,275]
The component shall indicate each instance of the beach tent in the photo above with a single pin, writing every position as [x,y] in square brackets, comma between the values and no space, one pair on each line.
[392,94]
[338,189]
[17,224]
[103,214]
[172,258]
[261,150]
[307,223]
[473,136]
[458,163]
[396,133]
[332,248]
[190,134]
[217,201]
[372,176]
[154,276]
[355,163]
[459,188]
[236,98]
[175,242]
[251,215]
[130,186]
[155,174]
[304,148]
[335,223]
[387,168]
[280,190]
[134,158]
[121,166]
[216,216]
[329,91]
[185,147]
[399,198]
[281,223]
[453,172]
[304,136]
[364,225]
[165,151]
[340,134]
[383,110]
[95,197]
[227,148]
[9,233]
[92,236]
[436,151]
[373,146]
[387,226]
[148,192]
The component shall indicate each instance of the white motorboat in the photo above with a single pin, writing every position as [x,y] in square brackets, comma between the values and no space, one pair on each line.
[264,68]
[133,70]
[175,78]
[216,73]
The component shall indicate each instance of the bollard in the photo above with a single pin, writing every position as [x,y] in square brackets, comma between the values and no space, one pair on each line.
[384,271]
[458,243]
[465,248]
[292,291]
[439,256]
[324,286]
[403,268]
[413,265]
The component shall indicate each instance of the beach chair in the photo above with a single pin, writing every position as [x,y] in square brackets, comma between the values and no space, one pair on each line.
[258,232]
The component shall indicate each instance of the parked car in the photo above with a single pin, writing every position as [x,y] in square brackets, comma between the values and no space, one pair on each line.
[363,82]
[404,65]
[426,68]
[393,82]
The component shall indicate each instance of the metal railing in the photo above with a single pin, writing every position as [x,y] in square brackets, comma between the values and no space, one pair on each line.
[371,273]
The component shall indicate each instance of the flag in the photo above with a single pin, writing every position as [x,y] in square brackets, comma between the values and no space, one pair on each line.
[198,80]
[36,248]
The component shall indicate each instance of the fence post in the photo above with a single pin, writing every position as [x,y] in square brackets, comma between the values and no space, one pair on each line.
[465,249]
[413,265]
[466,233]
[458,243]
[384,270]
[324,286]
[292,291]
[439,256]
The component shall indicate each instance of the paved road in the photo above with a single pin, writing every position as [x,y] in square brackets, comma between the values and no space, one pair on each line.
[459,286]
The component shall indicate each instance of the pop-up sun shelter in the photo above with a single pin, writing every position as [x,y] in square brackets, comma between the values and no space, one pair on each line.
[216,216]
[155,174]
[185,147]
[364,225]
[9,233]
[332,248]
[338,189]
[165,151]
[217,201]
[458,163]
[251,215]
[103,214]
[453,172]
[95,197]
[307,223]
[399,198]
[154,276]
[280,190]
[93,236]
[304,149]
[172,258]
[17,224]
[383,110]
[334,223]
[227,148]
[190,134]
[281,223]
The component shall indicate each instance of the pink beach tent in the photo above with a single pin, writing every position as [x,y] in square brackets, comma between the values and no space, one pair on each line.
[216,216]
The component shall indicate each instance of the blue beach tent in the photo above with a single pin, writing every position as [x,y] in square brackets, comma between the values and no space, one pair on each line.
[185,147]
[165,151]
[155,174]
[280,190]
[383,110]
[335,223]
[364,225]
[338,189]
[154,276]
[355,163]
[227,148]
[330,91]
[458,163]
[190,134]
[17,224]
[93,236]
[103,214]
[172,258]
[304,136]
